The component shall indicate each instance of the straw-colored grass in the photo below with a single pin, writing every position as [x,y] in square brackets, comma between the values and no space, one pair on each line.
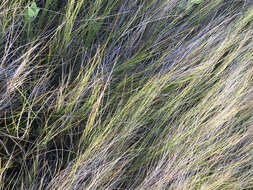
[126,94]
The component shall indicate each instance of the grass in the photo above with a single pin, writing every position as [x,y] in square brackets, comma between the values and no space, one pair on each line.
[113,94]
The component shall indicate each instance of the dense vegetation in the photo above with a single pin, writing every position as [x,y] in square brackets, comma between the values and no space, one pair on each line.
[126,94]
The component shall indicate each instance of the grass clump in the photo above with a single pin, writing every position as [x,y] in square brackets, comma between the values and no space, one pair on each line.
[126,94]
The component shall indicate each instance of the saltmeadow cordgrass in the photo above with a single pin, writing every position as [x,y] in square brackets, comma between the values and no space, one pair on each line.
[126,94]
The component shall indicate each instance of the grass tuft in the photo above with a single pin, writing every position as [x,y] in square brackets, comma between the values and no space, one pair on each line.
[114,94]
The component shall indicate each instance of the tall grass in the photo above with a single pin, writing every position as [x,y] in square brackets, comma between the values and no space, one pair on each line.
[126,94]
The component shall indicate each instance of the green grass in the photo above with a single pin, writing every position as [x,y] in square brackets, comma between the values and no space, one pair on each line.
[115,94]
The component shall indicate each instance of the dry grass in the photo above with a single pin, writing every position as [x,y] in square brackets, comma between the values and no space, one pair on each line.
[126,95]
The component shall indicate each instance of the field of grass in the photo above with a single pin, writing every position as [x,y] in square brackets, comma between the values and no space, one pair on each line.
[126,94]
